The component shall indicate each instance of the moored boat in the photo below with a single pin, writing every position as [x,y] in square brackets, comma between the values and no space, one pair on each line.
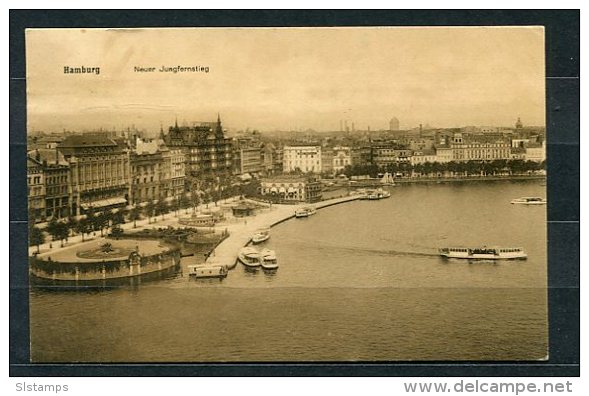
[483,253]
[207,271]
[299,213]
[305,212]
[261,236]
[377,194]
[250,257]
[269,261]
[529,201]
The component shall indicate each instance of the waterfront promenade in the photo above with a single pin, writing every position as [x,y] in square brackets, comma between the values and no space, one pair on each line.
[169,219]
[240,229]
[240,234]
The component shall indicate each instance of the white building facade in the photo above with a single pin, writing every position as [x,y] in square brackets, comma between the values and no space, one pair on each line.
[303,158]
[342,157]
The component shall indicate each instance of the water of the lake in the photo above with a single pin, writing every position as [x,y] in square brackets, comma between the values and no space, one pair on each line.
[359,281]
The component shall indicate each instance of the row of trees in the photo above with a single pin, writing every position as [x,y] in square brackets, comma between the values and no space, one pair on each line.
[454,168]
[61,230]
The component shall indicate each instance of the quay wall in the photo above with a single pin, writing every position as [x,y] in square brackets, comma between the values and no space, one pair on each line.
[318,205]
[101,270]
[226,252]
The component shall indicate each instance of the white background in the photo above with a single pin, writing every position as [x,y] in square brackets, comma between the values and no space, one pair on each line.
[252,386]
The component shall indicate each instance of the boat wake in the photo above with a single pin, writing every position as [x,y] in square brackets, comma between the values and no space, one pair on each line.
[398,252]
[376,251]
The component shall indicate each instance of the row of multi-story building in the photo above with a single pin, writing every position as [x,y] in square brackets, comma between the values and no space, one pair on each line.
[71,174]
[458,147]
[68,175]
[81,171]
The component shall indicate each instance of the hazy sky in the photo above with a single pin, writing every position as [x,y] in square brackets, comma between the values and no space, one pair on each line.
[287,78]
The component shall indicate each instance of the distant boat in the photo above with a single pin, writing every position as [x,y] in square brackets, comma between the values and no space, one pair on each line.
[529,201]
[269,261]
[387,179]
[377,194]
[207,271]
[483,253]
[305,212]
[250,257]
[261,236]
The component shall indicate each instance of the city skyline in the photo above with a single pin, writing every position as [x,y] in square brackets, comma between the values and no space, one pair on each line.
[287,79]
[155,130]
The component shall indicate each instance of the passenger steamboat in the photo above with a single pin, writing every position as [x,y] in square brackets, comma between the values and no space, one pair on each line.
[529,201]
[483,253]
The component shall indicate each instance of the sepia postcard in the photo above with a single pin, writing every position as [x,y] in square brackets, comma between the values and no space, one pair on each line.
[343,194]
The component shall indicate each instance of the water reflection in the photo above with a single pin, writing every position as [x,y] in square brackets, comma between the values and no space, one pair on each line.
[270,274]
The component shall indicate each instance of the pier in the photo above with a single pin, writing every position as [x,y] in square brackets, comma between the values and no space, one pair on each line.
[240,234]
[240,231]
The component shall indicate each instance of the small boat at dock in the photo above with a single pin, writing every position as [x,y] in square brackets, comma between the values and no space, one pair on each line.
[261,236]
[250,257]
[269,261]
[207,271]
[305,212]
[483,253]
[529,201]
[377,194]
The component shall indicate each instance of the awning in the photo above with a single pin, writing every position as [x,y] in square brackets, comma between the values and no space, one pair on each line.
[104,202]
[117,201]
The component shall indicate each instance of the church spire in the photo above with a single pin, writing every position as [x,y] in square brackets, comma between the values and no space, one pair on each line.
[161,131]
[219,128]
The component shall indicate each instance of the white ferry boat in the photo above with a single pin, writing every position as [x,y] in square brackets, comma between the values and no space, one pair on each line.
[269,261]
[207,271]
[261,236]
[250,257]
[483,253]
[529,201]
[305,212]
[378,194]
